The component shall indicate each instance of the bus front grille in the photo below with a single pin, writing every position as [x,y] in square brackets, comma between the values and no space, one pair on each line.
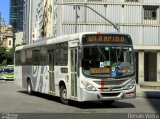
[111,82]
[109,94]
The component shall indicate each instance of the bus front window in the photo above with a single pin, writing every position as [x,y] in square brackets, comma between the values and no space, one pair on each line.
[8,71]
[105,61]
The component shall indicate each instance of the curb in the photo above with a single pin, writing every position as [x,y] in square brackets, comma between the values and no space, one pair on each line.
[149,94]
[150,85]
[149,90]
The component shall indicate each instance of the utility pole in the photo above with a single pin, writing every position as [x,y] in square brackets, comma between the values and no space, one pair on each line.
[76,7]
[116,26]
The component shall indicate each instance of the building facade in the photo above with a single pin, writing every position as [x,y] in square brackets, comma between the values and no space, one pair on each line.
[19,38]
[43,24]
[16,15]
[39,24]
[139,18]
[6,36]
[30,10]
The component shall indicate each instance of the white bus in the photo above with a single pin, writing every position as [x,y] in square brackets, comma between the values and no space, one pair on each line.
[82,67]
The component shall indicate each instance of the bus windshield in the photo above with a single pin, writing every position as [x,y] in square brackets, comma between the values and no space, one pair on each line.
[9,71]
[1,71]
[107,61]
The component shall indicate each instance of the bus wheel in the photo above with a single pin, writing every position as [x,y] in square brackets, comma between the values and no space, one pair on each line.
[63,95]
[29,87]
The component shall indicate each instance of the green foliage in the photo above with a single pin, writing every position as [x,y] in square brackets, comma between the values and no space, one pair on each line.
[2,54]
[6,58]
[4,62]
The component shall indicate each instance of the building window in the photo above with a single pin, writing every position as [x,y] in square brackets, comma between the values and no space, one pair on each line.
[131,0]
[10,43]
[150,12]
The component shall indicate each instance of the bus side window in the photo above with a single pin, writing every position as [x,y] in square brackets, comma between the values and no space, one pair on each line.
[28,56]
[36,57]
[17,58]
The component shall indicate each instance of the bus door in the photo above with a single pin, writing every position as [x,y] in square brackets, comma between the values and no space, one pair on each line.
[51,71]
[74,70]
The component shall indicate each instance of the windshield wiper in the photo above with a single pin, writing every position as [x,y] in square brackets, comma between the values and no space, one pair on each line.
[101,52]
[119,53]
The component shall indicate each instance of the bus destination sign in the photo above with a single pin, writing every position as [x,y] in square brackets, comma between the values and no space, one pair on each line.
[96,38]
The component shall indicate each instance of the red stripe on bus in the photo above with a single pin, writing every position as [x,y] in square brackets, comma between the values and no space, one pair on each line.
[99,33]
[22,77]
[102,85]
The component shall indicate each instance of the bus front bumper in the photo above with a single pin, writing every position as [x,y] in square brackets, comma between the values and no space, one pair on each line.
[8,78]
[102,96]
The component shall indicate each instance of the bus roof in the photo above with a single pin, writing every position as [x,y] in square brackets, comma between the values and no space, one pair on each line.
[62,38]
[50,40]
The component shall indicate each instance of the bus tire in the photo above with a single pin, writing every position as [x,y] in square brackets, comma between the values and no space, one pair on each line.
[63,95]
[29,87]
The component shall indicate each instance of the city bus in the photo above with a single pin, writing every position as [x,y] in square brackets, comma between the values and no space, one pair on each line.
[89,66]
[1,72]
[8,72]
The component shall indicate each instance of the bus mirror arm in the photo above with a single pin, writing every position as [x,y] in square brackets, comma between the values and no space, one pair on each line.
[79,54]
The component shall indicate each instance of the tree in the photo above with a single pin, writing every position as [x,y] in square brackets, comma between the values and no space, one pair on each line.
[2,54]
[6,58]
[4,62]
[10,56]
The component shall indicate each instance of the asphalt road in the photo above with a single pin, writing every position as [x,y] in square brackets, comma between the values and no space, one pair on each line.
[14,99]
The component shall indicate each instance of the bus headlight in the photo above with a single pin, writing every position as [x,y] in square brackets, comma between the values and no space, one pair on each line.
[88,86]
[4,76]
[130,85]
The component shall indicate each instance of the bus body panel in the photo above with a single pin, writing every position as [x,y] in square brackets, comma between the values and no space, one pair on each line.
[60,77]
[18,75]
[92,96]
[103,94]
[39,77]
[37,74]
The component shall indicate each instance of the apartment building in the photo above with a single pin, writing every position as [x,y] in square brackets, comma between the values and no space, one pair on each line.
[139,18]
[16,15]
[30,11]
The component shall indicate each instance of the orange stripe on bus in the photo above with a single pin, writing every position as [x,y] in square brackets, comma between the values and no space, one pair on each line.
[99,33]
[102,85]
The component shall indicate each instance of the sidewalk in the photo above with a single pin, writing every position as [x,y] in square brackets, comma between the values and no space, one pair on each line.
[148,90]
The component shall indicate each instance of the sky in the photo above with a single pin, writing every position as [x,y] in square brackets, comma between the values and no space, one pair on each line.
[4,9]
